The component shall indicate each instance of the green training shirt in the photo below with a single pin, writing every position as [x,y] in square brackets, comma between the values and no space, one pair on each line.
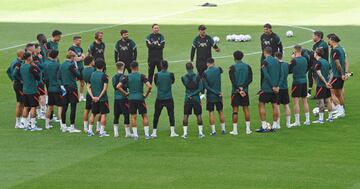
[163,81]
[98,80]
[212,82]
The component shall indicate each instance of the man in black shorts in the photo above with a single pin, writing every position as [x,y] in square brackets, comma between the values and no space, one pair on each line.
[135,82]
[121,103]
[241,76]
[269,93]
[51,70]
[17,86]
[193,85]
[283,91]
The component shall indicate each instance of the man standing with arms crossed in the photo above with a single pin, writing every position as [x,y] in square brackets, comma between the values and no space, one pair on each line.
[155,43]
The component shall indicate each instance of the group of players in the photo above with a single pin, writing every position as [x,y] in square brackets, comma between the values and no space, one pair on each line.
[41,83]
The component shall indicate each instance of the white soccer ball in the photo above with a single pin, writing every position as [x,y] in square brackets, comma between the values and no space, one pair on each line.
[316,111]
[289,33]
[228,38]
[233,37]
[216,39]
[247,37]
[237,38]
[242,37]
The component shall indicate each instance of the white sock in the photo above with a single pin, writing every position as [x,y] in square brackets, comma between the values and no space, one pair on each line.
[263,124]
[172,129]
[98,127]
[247,123]
[127,130]
[116,129]
[32,122]
[185,128]
[82,95]
[47,122]
[274,125]
[17,121]
[213,128]
[154,131]
[102,129]
[23,121]
[297,118]
[288,120]
[321,116]
[86,123]
[90,128]
[330,114]
[223,126]
[135,131]
[307,116]
[235,128]
[200,129]
[146,130]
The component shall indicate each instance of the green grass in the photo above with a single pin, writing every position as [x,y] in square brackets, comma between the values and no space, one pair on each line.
[308,157]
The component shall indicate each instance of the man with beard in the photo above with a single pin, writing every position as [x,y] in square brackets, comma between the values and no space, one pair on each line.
[97,48]
[125,50]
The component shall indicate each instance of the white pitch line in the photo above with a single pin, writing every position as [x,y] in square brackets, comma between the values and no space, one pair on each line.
[128,22]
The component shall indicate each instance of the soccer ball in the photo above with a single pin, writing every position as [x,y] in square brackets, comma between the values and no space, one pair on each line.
[216,39]
[247,37]
[316,111]
[237,38]
[233,37]
[242,37]
[228,38]
[289,33]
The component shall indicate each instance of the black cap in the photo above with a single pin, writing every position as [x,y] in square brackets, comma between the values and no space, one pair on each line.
[202,27]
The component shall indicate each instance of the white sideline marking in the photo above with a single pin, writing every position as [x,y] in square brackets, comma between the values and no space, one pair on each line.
[128,22]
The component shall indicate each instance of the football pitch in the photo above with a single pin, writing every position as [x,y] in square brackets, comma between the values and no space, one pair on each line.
[318,156]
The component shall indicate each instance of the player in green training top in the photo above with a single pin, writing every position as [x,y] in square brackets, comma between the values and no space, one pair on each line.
[164,81]
[135,82]
[86,75]
[299,67]
[241,76]
[17,86]
[79,60]
[323,85]
[202,45]
[30,77]
[121,103]
[53,43]
[155,43]
[212,82]
[270,68]
[51,70]
[67,76]
[97,89]
[283,89]
[193,86]
[41,38]
[339,67]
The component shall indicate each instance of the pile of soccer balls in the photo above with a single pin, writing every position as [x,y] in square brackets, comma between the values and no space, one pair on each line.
[238,38]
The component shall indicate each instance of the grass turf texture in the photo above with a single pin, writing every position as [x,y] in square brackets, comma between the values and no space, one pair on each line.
[308,157]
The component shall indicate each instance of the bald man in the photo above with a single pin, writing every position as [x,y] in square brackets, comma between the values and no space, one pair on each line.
[17,85]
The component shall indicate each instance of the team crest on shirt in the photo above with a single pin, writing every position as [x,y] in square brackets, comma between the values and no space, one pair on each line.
[124,48]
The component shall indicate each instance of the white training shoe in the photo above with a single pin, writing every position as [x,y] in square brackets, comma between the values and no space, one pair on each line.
[174,135]
[19,126]
[153,135]
[103,134]
[248,131]
[296,124]
[49,127]
[74,130]
[64,129]
[233,133]
[307,123]
[129,135]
